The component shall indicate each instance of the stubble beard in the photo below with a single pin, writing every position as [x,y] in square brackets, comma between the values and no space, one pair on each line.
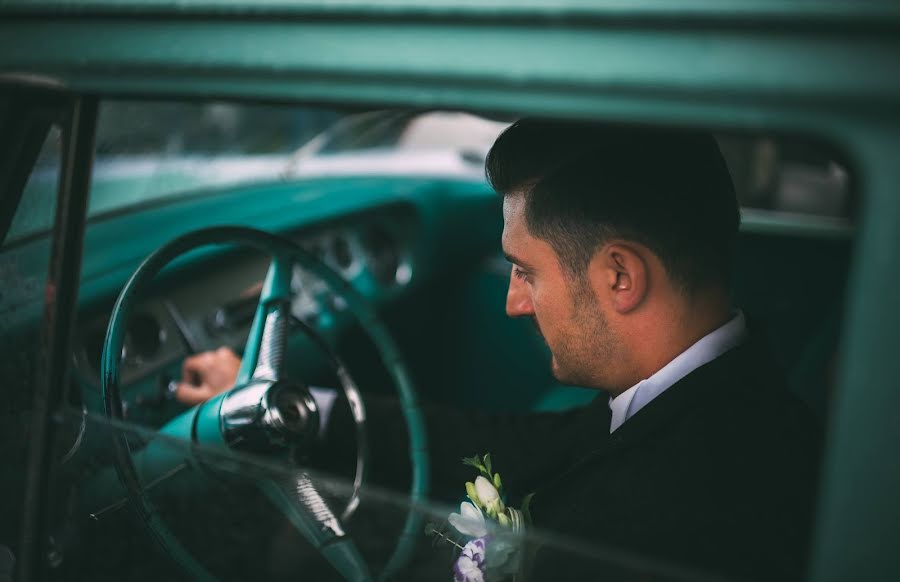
[582,354]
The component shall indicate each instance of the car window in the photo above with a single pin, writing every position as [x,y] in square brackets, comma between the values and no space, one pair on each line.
[37,207]
[789,177]
[211,507]
[23,274]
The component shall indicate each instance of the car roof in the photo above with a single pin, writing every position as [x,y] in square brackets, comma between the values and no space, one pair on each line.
[836,8]
[539,56]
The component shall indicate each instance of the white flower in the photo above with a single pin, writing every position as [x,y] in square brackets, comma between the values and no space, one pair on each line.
[488,496]
[469,521]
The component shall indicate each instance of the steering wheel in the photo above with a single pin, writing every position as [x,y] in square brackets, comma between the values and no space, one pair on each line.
[265,411]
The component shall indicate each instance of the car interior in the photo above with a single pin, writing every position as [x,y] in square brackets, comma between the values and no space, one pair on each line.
[396,204]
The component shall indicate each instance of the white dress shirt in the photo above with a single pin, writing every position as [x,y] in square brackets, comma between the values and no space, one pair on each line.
[707,349]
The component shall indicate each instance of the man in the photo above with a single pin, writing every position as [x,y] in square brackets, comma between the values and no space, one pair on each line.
[621,240]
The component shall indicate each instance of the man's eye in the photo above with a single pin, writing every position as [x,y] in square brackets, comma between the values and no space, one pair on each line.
[519,273]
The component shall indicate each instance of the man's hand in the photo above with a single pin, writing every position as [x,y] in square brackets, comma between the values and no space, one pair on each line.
[207,374]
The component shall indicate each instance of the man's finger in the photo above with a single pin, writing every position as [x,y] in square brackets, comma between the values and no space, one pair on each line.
[195,368]
[191,395]
[199,362]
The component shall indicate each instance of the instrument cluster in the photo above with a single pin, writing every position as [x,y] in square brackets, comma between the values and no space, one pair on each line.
[217,307]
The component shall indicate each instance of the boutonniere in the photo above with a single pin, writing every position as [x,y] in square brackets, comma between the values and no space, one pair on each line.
[488,532]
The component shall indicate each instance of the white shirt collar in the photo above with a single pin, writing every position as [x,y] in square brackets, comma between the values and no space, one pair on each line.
[707,349]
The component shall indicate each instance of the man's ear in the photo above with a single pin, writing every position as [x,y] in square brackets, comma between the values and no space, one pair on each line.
[619,275]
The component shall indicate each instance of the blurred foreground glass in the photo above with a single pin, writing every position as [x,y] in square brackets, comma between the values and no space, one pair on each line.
[212,504]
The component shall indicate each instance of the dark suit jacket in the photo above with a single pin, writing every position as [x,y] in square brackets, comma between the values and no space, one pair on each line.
[718,474]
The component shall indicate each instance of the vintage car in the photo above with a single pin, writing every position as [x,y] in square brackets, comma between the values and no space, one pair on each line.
[303,183]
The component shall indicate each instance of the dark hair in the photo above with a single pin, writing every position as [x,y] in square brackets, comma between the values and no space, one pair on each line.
[587,183]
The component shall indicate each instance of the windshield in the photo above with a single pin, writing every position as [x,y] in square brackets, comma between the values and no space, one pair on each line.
[147,152]
[150,152]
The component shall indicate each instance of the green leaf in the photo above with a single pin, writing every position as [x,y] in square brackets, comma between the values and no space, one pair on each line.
[487,466]
[526,507]
[473,462]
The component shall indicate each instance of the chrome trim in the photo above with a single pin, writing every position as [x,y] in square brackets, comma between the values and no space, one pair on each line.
[310,498]
[358,410]
[76,445]
[29,80]
[272,346]
[265,415]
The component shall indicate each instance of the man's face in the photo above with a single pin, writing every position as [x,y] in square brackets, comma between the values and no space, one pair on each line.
[565,312]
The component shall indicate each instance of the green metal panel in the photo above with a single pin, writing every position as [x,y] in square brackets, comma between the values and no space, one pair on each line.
[416,53]
[859,517]
[835,10]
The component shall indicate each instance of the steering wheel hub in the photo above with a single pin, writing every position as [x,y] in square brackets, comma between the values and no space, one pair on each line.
[267,415]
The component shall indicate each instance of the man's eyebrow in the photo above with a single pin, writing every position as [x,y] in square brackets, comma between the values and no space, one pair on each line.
[512,259]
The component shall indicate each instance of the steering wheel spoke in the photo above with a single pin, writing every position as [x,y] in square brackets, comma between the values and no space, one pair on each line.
[300,501]
[267,342]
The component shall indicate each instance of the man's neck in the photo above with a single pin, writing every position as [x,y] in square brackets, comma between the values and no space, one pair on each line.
[673,331]
[709,347]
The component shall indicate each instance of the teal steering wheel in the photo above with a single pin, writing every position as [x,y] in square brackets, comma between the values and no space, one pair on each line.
[265,411]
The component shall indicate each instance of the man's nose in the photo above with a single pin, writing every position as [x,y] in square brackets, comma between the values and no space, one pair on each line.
[518,298]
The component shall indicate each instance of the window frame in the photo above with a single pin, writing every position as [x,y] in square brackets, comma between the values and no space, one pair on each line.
[38,106]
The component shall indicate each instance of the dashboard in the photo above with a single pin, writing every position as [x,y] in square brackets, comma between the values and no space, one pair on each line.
[216,305]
